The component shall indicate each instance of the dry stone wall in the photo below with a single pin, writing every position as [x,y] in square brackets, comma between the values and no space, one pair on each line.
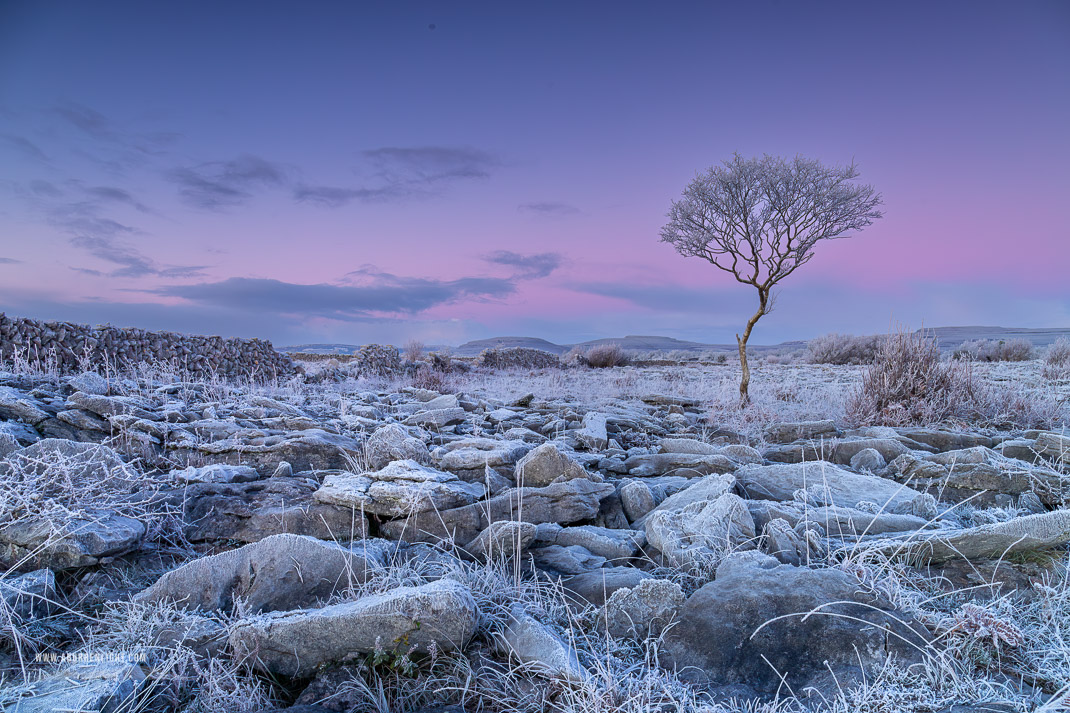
[74,347]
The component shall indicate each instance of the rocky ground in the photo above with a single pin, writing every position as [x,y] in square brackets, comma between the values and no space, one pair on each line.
[517,540]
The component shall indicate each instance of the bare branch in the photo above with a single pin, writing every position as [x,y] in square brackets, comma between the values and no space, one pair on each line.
[760,219]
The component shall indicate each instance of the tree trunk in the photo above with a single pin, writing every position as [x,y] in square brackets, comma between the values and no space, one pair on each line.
[744,381]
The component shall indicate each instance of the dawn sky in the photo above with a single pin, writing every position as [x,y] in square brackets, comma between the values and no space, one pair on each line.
[359,172]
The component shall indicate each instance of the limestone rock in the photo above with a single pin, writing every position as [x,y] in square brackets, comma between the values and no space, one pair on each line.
[502,539]
[636,499]
[841,487]
[700,534]
[33,544]
[1021,534]
[566,502]
[279,572]
[793,431]
[392,442]
[105,687]
[749,622]
[249,512]
[644,610]
[399,489]
[592,434]
[296,643]
[546,464]
[531,642]
[687,465]
[595,587]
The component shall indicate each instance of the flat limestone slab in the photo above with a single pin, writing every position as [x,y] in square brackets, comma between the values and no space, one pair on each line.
[1022,534]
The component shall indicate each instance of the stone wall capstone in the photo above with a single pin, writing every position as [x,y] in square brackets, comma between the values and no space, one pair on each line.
[75,347]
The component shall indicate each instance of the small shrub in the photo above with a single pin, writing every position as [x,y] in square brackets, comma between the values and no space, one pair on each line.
[993,350]
[432,379]
[518,358]
[575,357]
[603,356]
[843,349]
[414,351]
[907,384]
[1057,360]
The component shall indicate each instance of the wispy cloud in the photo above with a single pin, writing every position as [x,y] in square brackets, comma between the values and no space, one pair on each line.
[116,195]
[336,197]
[24,146]
[112,145]
[671,297]
[87,120]
[44,189]
[402,173]
[380,293]
[9,261]
[549,208]
[527,266]
[105,239]
[130,262]
[426,165]
[222,184]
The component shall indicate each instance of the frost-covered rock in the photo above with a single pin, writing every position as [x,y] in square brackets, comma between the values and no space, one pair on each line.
[295,643]
[79,542]
[697,536]
[104,687]
[29,595]
[438,418]
[684,464]
[611,544]
[502,539]
[546,464]
[401,488]
[840,487]
[531,642]
[279,572]
[567,502]
[1054,445]
[750,622]
[17,406]
[995,541]
[793,431]
[592,433]
[249,512]
[391,443]
[644,610]
[216,473]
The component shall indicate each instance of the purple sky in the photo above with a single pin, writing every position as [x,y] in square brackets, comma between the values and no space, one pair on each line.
[447,171]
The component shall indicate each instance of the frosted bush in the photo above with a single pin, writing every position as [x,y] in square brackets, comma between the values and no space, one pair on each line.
[842,349]
[518,358]
[606,355]
[996,350]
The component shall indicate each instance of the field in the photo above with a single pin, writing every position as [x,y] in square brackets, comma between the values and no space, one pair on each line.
[454,537]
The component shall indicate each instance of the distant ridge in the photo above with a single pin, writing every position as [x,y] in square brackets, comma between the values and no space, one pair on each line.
[952,337]
[949,338]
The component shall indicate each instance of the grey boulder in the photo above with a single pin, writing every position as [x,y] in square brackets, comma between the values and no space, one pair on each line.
[296,643]
[401,488]
[760,619]
[279,572]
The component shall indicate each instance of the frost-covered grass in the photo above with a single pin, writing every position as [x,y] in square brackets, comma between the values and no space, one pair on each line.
[984,641]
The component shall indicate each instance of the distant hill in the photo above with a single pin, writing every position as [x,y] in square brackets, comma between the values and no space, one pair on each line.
[950,338]
[953,337]
[630,342]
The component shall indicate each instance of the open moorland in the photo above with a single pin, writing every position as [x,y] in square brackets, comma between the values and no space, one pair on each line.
[518,532]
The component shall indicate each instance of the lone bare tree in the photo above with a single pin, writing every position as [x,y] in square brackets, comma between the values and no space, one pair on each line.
[760,218]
